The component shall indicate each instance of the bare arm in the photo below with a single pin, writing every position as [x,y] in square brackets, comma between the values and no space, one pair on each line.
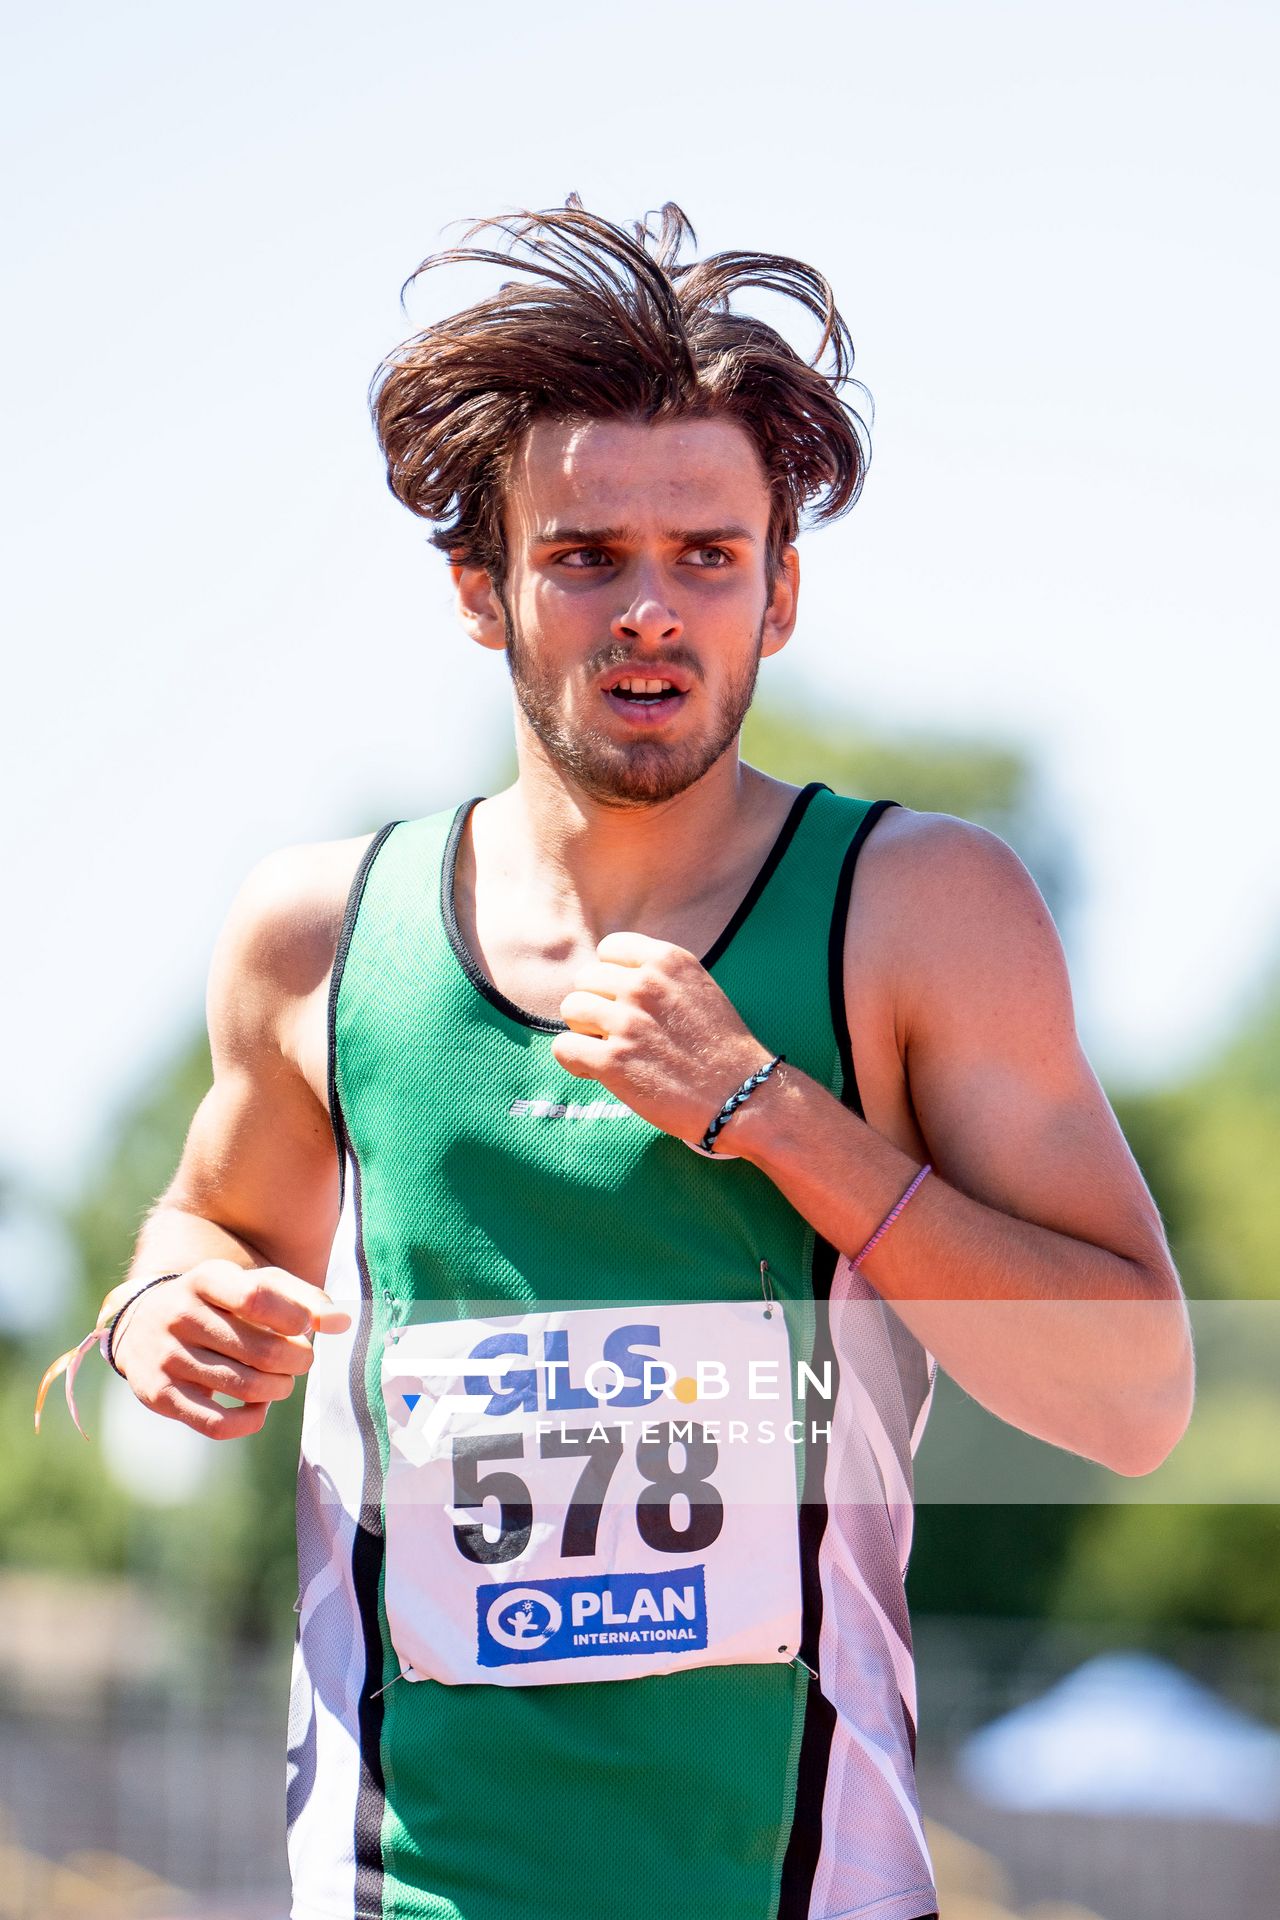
[249,1216]
[1034,1266]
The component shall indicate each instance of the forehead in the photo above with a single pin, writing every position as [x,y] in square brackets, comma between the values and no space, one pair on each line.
[646,474]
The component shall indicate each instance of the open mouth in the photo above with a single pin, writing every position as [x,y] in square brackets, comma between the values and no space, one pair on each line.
[645,697]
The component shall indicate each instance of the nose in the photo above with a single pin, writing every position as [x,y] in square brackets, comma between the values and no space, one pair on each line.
[647,616]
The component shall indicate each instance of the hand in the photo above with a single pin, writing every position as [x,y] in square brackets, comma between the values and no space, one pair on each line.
[650,1024]
[222,1328]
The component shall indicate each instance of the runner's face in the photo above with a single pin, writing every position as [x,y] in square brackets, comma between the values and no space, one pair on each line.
[636,551]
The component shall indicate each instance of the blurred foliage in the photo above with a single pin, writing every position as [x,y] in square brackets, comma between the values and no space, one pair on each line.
[225,1560]
[993,785]
[1210,1149]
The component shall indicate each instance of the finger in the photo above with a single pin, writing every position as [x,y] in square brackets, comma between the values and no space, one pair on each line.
[603,977]
[200,1411]
[269,1297]
[209,1327]
[588,1013]
[581,1054]
[215,1374]
[633,949]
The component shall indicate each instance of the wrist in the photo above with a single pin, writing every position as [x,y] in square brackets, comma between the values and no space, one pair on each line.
[761,1127]
[115,1331]
[739,1098]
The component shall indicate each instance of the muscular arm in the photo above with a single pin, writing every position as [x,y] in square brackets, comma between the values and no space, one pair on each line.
[249,1216]
[1033,1265]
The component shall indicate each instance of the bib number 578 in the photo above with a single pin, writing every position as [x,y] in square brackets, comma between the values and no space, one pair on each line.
[600,1449]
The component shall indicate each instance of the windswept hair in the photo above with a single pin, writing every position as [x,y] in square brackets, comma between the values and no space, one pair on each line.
[610,323]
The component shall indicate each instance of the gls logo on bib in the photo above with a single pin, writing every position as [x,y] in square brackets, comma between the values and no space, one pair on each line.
[575,1619]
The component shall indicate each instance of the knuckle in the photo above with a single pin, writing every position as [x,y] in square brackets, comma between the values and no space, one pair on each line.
[247,1344]
[255,1298]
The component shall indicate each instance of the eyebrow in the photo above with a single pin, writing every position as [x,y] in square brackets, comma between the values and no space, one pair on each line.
[627,536]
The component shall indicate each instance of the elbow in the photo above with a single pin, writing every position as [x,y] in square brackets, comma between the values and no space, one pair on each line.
[1143,1452]
[1157,1414]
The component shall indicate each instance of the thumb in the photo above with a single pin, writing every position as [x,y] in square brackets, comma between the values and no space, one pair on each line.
[327,1316]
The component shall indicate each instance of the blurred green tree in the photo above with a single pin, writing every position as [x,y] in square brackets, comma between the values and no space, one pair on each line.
[996,786]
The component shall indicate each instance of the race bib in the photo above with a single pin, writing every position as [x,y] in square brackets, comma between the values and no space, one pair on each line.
[591,1494]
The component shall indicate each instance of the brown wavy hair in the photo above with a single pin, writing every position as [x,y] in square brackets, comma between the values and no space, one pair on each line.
[611,323]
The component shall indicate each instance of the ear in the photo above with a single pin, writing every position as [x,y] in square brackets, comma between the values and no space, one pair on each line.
[479,607]
[780,614]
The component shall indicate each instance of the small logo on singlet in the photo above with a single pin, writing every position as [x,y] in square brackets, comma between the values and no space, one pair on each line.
[614,1613]
[556,1110]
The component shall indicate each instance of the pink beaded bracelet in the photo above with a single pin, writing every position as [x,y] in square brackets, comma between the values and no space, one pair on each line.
[892,1215]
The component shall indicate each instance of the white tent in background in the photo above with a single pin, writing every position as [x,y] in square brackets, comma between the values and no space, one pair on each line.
[1127,1733]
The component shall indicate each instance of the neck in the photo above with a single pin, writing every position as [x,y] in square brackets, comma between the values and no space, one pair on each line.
[616,866]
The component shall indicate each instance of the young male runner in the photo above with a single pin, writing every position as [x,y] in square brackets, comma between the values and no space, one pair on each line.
[560,1658]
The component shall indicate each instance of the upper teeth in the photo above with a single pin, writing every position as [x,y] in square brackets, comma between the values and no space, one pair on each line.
[643,686]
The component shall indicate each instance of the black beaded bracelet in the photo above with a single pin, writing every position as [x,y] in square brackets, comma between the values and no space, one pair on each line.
[735,1100]
[109,1345]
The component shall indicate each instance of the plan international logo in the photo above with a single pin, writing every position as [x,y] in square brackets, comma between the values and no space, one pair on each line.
[571,1619]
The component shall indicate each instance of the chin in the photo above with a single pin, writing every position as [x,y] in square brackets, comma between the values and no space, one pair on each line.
[642,774]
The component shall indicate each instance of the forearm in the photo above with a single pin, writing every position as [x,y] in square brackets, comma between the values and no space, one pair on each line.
[173,1241]
[1073,1342]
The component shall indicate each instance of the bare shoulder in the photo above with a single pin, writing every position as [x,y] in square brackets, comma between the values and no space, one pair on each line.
[925,862]
[278,942]
[945,917]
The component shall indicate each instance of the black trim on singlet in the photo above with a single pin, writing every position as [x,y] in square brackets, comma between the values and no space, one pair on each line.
[849,1093]
[354,897]
[367,1551]
[367,1543]
[786,834]
[804,1846]
[462,952]
[540,1023]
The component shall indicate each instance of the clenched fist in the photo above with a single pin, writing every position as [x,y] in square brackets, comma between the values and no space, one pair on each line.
[220,1328]
[650,1024]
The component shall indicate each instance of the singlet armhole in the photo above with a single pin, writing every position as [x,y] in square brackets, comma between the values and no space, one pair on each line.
[849,1092]
[345,935]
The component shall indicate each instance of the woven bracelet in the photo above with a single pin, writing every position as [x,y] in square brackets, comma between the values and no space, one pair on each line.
[707,1144]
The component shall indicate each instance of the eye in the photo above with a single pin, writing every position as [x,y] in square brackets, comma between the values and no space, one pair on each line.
[583,558]
[710,558]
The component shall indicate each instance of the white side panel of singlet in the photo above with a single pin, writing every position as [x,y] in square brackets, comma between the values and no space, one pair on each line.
[875,1861]
[329,1659]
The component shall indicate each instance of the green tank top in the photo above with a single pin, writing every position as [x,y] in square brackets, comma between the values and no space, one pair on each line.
[482,1182]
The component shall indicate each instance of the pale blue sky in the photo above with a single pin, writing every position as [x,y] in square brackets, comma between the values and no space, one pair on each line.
[1052,230]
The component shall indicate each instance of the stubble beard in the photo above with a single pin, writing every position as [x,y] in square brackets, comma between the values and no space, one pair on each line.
[626,773]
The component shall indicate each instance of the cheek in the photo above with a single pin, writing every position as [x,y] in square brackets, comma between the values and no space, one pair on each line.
[560,628]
